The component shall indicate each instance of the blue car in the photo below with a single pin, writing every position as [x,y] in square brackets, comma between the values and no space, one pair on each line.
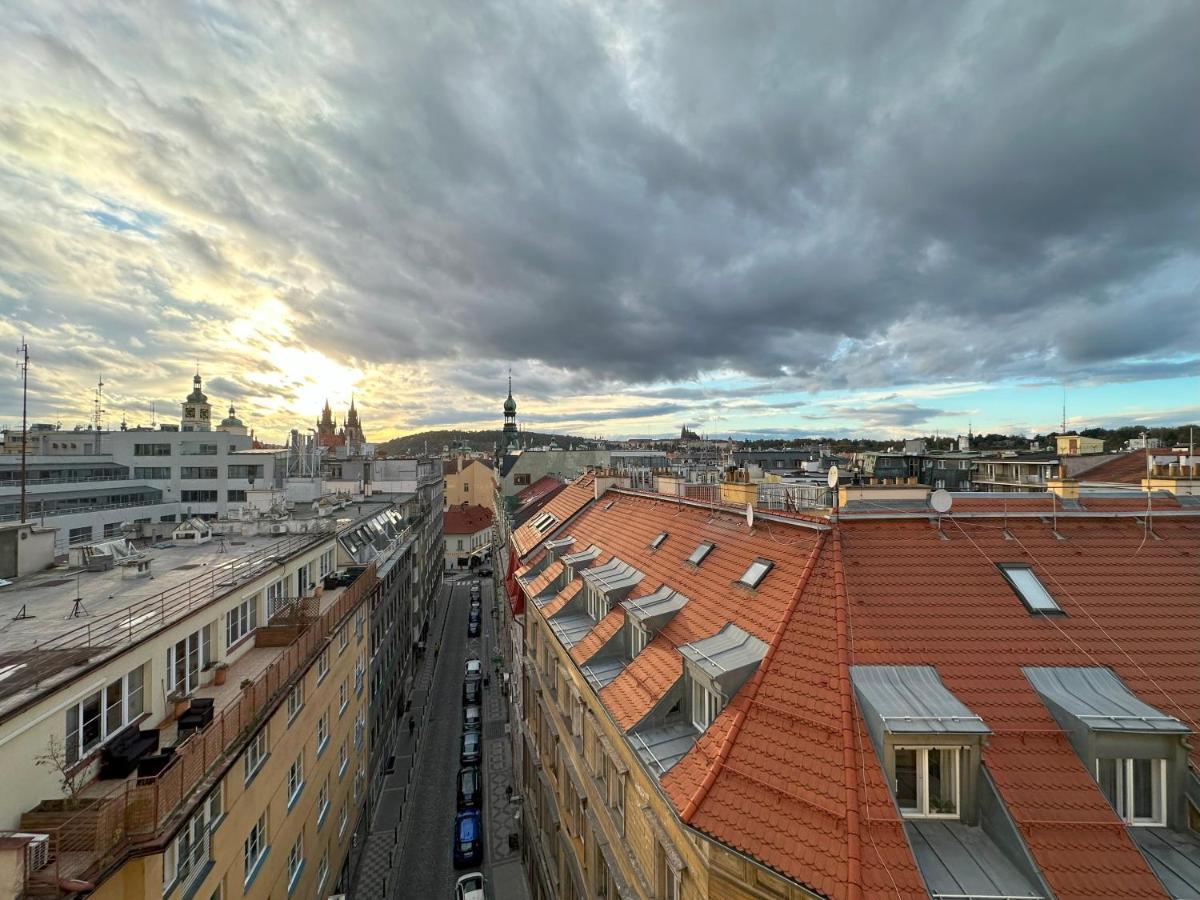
[468,839]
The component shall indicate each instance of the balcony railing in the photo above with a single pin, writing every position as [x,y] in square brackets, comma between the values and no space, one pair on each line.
[87,845]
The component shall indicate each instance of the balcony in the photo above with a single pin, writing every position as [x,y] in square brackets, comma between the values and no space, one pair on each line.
[114,818]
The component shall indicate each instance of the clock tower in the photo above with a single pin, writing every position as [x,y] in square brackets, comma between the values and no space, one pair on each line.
[197,411]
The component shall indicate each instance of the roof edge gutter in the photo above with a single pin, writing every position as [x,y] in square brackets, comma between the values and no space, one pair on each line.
[846,703]
[732,510]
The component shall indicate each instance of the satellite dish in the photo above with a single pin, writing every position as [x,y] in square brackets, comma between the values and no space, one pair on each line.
[941,501]
[832,478]
[749,515]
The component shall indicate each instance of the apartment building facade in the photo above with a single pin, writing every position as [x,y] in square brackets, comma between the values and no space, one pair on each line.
[209,739]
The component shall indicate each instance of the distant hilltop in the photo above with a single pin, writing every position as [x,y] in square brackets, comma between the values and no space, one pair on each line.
[477,441]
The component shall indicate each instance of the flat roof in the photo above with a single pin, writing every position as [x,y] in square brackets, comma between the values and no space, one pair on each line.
[118,608]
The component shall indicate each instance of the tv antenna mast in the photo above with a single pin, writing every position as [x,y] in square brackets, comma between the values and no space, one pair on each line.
[23,365]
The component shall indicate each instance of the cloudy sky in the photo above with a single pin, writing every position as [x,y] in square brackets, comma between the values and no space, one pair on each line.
[787,218]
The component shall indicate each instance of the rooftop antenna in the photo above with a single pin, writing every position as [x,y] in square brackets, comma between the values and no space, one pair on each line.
[153,416]
[1064,419]
[23,365]
[99,410]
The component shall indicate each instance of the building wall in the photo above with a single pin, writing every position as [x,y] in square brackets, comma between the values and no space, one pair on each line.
[456,554]
[534,464]
[473,484]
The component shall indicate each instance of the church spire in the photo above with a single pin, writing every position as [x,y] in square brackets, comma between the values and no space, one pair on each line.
[511,437]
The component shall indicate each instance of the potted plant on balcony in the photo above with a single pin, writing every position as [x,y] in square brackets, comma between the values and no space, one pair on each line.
[180,701]
[219,672]
[247,683]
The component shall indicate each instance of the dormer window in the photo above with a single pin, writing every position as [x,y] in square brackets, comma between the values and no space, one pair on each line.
[638,638]
[756,573]
[658,540]
[706,706]
[927,781]
[1029,589]
[702,550]
[1136,788]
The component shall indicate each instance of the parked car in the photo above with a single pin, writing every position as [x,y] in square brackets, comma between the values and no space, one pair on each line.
[474,669]
[473,628]
[472,692]
[470,787]
[472,718]
[468,838]
[469,753]
[485,572]
[470,887]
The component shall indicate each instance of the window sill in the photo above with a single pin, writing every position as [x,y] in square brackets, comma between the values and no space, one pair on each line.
[255,869]
[254,772]
[321,745]
[342,709]
[197,879]
[292,717]
[294,879]
[342,769]
[321,678]
[295,796]
[322,816]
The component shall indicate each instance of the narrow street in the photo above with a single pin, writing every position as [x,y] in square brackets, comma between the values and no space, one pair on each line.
[409,852]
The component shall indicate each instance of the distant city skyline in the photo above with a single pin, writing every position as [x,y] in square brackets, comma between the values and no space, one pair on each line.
[879,221]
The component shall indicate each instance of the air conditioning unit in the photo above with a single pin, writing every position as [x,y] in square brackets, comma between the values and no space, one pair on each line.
[279,529]
[37,851]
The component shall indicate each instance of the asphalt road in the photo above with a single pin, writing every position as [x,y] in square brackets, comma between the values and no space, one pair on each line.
[426,867]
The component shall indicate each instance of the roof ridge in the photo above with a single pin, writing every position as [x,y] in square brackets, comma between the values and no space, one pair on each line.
[752,688]
[846,702]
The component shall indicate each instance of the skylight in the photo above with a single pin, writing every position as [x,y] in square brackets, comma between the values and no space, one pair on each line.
[658,539]
[757,571]
[1031,591]
[543,522]
[702,550]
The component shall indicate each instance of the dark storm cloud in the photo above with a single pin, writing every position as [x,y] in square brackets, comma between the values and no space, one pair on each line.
[614,195]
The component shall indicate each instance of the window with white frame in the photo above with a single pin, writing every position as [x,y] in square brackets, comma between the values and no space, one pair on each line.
[343,695]
[323,801]
[343,758]
[322,665]
[927,781]
[706,705]
[241,620]
[295,860]
[322,872]
[360,618]
[189,853]
[295,700]
[255,847]
[668,876]
[756,572]
[326,563]
[256,752]
[186,658]
[275,594]
[1136,788]
[360,667]
[638,638]
[1029,588]
[342,819]
[597,603]
[295,778]
[100,715]
[343,639]
[322,732]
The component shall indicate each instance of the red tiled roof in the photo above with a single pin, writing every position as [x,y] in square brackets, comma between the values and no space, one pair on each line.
[562,598]
[1127,468]
[787,773]
[466,519]
[568,502]
[538,488]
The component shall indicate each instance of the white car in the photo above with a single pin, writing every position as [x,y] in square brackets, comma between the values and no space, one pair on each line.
[474,669]
[470,887]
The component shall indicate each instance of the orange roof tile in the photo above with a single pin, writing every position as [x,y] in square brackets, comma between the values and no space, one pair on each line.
[542,581]
[562,598]
[466,519]
[563,506]
[786,777]
[1127,468]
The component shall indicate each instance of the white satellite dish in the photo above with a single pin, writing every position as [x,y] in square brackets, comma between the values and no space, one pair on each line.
[832,478]
[749,515]
[941,501]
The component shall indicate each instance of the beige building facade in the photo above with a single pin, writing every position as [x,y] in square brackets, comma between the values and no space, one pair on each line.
[469,481]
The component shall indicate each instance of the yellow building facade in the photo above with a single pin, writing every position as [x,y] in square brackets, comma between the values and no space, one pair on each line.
[469,481]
